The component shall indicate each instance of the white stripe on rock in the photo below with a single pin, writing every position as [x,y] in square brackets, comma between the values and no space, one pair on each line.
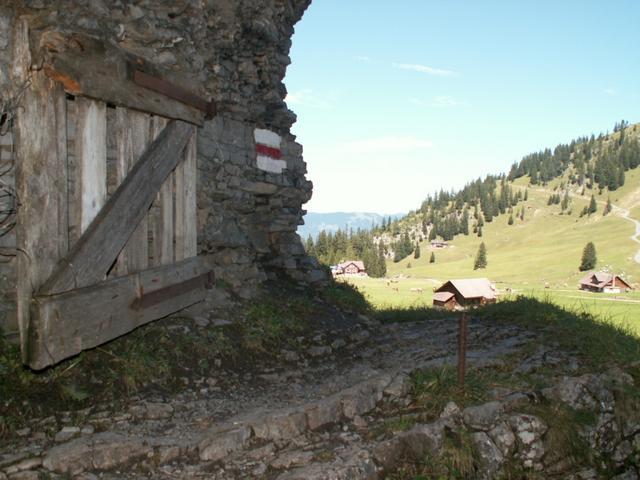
[267,137]
[272,165]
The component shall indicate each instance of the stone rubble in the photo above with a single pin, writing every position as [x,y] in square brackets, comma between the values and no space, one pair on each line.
[322,427]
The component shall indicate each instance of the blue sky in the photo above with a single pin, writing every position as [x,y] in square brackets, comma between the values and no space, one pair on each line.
[396,100]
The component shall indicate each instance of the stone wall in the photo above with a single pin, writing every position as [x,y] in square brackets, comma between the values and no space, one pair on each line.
[236,53]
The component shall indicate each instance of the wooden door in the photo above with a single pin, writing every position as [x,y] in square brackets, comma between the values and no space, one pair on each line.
[107,222]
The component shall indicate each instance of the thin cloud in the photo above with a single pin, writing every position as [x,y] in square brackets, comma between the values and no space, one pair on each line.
[415,67]
[386,144]
[441,101]
[308,98]
[610,91]
[447,101]
[363,59]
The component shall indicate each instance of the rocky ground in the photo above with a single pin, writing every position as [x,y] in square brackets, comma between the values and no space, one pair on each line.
[363,401]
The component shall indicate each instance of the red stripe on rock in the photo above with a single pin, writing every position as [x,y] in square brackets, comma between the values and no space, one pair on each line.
[268,151]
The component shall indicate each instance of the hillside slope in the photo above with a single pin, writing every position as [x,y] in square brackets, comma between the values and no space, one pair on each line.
[546,246]
[534,221]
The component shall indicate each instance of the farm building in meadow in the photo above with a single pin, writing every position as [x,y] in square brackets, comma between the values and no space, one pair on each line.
[438,244]
[350,267]
[603,283]
[458,294]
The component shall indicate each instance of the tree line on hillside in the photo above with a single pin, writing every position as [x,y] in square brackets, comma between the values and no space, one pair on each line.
[447,214]
[597,161]
[332,248]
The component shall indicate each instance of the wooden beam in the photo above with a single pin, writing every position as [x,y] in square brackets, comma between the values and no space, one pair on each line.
[96,69]
[41,180]
[67,323]
[96,250]
[186,227]
[176,92]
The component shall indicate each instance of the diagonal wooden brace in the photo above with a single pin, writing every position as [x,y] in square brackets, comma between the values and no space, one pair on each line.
[91,257]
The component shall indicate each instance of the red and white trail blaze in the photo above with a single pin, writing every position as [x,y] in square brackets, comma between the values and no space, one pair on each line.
[269,154]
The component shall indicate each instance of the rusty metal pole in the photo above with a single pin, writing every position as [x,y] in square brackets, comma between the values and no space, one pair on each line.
[462,348]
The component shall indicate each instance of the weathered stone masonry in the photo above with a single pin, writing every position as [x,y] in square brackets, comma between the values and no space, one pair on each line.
[235,53]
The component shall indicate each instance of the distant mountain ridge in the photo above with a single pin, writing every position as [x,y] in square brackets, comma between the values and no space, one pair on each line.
[315,222]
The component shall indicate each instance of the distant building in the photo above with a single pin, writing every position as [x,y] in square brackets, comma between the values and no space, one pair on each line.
[603,283]
[438,244]
[350,267]
[459,294]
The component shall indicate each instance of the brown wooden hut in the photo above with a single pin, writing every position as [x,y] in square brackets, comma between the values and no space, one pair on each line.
[463,293]
[603,283]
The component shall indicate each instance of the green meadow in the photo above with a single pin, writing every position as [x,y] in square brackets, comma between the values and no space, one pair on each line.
[538,256]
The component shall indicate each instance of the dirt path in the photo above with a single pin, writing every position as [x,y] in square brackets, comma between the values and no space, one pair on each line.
[187,435]
[624,213]
[604,299]
[617,210]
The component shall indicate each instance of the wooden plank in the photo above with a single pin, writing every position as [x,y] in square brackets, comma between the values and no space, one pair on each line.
[124,151]
[96,69]
[73,321]
[41,182]
[186,214]
[91,161]
[162,244]
[137,249]
[94,253]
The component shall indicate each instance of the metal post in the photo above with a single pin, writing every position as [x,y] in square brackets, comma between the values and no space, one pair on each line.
[462,348]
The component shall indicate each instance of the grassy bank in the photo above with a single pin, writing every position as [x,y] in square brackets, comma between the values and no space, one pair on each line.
[402,294]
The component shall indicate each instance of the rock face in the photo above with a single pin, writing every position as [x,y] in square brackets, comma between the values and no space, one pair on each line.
[236,54]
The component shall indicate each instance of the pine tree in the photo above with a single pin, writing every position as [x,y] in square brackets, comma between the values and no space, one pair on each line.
[464,227]
[593,206]
[608,207]
[565,201]
[432,258]
[526,194]
[381,260]
[479,231]
[481,257]
[416,252]
[309,246]
[510,221]
[432,233]
[589,258]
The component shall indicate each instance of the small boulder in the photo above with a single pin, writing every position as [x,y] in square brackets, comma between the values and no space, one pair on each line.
[451,409]
[489,455]
[482,417]
[504,438]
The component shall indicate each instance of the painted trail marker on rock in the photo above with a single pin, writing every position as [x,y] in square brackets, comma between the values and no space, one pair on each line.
[269,155]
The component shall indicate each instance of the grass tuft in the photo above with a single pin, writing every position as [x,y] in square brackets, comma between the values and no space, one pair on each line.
[599,342]
[347,297]
[395,314]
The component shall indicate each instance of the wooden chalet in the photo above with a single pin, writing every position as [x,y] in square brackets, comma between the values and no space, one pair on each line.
[602,282]
[438,244]
[464,293]
[350,267]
